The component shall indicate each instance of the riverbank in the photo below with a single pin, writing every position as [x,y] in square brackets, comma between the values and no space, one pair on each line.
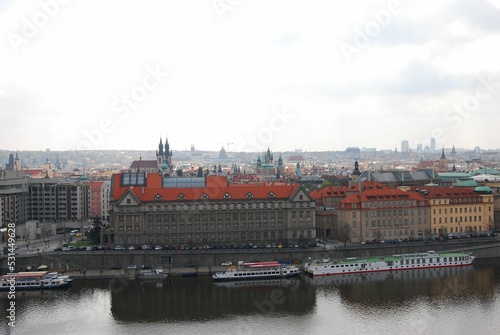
[101,263]
[108,274]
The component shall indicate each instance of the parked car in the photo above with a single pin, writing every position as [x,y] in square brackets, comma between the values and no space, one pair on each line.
[228,263]
[119,247]
[115,267]
[132,267]
[131,247]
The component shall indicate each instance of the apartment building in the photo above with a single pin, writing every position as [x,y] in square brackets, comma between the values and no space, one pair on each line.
[379,212]
[52,199]
[459,209]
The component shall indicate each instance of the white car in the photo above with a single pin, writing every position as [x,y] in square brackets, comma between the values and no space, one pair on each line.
[228,263]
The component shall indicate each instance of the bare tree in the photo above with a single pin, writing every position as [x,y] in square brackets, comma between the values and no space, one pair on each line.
[345,232]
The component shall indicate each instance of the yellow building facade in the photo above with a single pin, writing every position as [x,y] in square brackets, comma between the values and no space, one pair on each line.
[455,210]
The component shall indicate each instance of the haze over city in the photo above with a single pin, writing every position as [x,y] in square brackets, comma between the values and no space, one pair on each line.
[313,75]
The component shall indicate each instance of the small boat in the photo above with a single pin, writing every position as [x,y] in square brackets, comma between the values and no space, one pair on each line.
[151,272]
[427,260]
[257,270]
[38,280]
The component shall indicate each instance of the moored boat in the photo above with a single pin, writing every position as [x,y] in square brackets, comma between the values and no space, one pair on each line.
[150,272]
[257,270]
[38,280]
[413,261]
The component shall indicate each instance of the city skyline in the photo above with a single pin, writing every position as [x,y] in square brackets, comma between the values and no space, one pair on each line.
[247,76]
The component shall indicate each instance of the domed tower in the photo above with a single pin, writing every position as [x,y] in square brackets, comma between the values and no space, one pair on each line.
[356,173]
[281,167]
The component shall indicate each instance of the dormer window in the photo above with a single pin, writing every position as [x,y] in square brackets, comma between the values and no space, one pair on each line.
[204,196]
[158,197]
[227,196]
[249,195]
[271,195]
[181,197]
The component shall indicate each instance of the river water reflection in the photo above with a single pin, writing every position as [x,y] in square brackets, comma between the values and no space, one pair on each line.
[438,301]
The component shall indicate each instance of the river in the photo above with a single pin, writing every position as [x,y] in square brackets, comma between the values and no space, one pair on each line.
[435,301]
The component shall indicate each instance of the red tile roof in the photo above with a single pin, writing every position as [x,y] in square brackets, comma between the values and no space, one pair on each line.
[216,188]
[329,192]
[446,192]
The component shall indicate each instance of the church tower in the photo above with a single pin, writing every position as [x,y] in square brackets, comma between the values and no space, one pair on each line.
[164,157]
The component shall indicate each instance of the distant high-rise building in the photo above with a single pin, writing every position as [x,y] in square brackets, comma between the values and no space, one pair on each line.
[433,144]
[419,147]
[405,146]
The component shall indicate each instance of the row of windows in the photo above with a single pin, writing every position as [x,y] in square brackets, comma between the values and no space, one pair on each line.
[214,216]
[457,201]
[459,210]
[386,204]
[384,223]
[457,229]
[459,219]
[389,233]
[189,226]
[395,212]
[257,216]
[211,206]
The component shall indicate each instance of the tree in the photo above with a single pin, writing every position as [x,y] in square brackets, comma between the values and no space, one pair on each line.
[326,183]
[427,233]
[95,232]
[345,232]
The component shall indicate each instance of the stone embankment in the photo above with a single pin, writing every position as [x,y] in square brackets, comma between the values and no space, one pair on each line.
[99,263]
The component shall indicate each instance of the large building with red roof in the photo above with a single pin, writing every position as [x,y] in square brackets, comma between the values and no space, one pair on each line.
[150,208]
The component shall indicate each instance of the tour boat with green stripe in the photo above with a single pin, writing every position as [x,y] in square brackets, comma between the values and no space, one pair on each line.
[427,260]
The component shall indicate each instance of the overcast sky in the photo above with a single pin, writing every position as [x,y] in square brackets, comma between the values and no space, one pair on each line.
[310,75]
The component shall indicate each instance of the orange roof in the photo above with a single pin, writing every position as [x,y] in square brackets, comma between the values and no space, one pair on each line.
[329,192]
[379,192]
[216,188]
[446,192]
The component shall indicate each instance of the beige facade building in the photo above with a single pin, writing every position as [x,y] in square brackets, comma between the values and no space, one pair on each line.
[459,209]
[378,212]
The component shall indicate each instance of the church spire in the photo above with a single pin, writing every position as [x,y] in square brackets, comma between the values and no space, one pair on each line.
[167,147]
[160,147]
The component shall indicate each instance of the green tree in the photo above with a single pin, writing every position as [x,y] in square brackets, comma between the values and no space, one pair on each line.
[326,183]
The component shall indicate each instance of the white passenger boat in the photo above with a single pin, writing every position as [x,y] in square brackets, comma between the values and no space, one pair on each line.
[425,260]
[257,270]
[33,281]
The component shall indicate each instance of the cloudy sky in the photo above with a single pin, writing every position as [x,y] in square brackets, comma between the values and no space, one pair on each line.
[304,74]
